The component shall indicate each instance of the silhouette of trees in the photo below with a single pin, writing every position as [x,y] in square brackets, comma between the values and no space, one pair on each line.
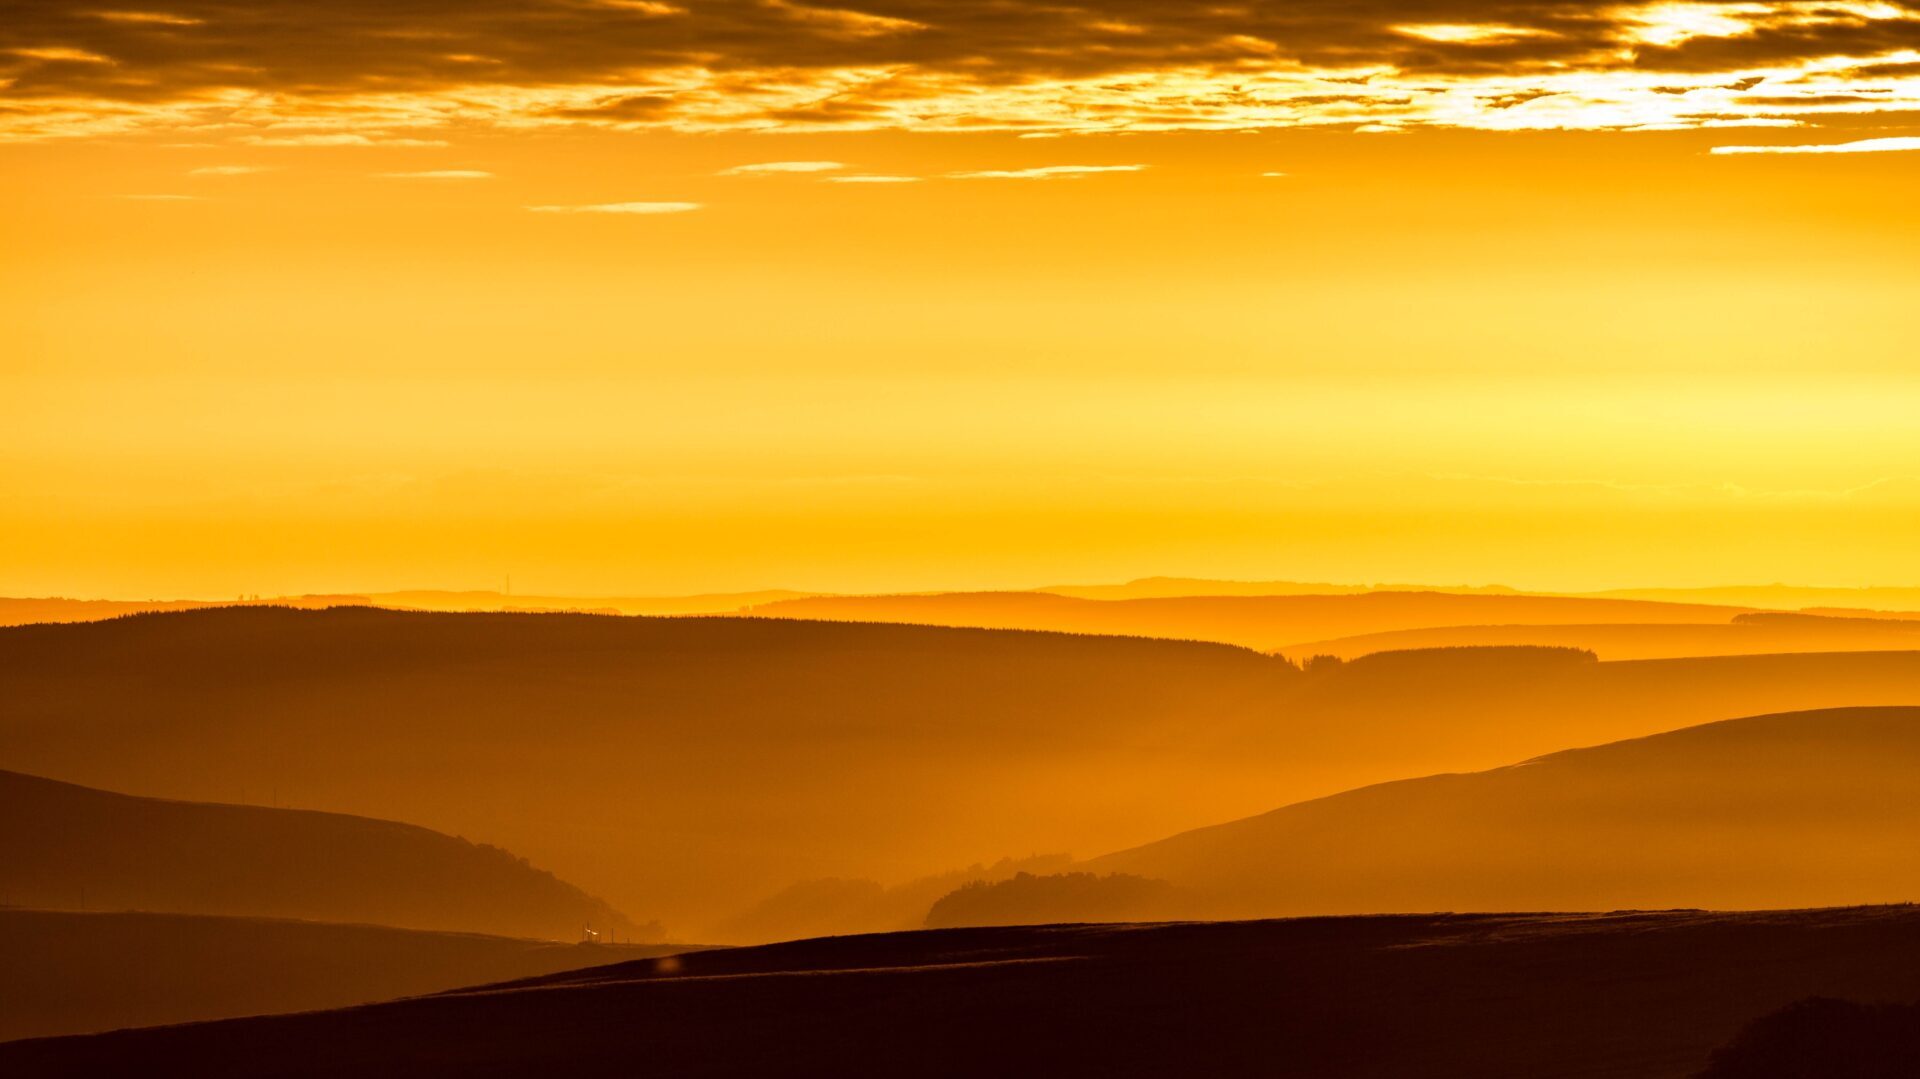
[1824,1038]
[1026,899]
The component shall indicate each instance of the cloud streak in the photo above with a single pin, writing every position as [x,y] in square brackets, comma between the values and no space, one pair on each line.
[438,174]
[774,168]
[1858,146]
[640,208]
[1044,172]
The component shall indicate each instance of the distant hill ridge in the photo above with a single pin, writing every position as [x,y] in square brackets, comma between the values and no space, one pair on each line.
[1266,623]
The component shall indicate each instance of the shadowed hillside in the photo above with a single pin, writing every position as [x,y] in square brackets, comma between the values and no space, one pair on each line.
[69,847]
[1267,623]
[1398,714]
[71,973]
[692,768]
[1799,809]
[1622,996]
[687,768]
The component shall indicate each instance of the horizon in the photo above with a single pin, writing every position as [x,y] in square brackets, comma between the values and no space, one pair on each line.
[267,595]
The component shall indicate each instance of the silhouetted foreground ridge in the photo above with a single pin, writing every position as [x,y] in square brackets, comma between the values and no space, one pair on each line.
[1633,996]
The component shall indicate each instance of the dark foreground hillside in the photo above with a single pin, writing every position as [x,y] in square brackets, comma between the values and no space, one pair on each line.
[66,972]
[1637,996]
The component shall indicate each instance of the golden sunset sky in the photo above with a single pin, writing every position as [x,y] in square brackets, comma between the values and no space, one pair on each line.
[646,297]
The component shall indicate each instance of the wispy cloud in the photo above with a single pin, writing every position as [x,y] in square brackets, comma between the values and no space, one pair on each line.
[230,170]
[337,139]
[1044,172]
[148,18]
[1276,175]
[60,54]
[773,168]
[841,22]
[438,174]
[620,208]
[644,7]
[1858,146]
[1469,33]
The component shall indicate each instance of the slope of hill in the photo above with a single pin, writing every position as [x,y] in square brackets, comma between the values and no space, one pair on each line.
[1764,633]
[73,973]
[692,768]
[1267,623]
[1396,714]
[684,767]
[1798,809]
[64,847]
[1621,996]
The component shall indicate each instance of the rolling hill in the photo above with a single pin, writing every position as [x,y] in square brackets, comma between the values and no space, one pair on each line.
[69,847]
[72,973]
[692,768]
[1798,809]
[1619,996]
[685,767]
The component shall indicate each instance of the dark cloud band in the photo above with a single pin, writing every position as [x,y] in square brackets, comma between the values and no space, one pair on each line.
[1021,63]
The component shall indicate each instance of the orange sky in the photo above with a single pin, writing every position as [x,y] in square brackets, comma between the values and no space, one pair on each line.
[277,317]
